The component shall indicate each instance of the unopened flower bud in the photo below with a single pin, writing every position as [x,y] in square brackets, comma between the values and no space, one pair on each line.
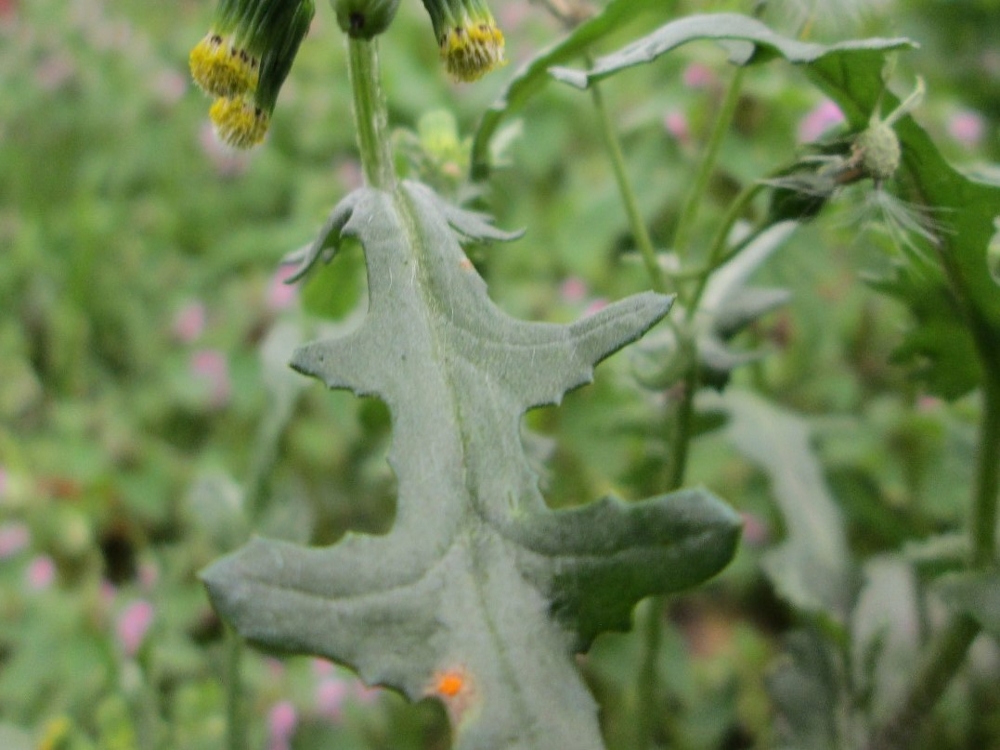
[471,44]
[243,61]
[364,19]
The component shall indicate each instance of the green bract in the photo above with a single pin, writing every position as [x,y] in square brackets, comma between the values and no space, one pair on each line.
[363,19]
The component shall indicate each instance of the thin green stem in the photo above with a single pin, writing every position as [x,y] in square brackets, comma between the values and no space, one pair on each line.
[987,487]
[648,704]
[236,738]
[689,214]
[681,423]
[639,231]
[371,117]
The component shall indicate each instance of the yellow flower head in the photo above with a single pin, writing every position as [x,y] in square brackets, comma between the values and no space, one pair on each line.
[470,52]
[239,122]
[220,68]
[471,43]
[244,60]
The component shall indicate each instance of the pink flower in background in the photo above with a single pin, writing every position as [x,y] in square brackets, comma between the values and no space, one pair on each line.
[698,76]
[54,71]
[189,322]
[967,127]
[281,296]
[169,86]
[331,692]
[41,573]
[756,532]
[14,537]
[133,625]
[281,722]
[573,289]
[821,118]
[210,366]
[364,694]
[676,124]
[596,306]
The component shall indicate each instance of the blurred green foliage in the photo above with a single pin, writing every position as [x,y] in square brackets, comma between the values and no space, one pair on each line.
[143,330]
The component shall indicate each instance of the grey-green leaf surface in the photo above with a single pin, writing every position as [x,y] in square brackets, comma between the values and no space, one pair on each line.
[746,39]
[811,567]
[477,581]
[533,75]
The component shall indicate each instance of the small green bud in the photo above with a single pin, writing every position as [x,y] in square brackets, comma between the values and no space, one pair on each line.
[364,19]
[244,60]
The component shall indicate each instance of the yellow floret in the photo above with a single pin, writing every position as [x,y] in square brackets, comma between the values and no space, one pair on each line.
[239,122]
[470,52]
[222,69]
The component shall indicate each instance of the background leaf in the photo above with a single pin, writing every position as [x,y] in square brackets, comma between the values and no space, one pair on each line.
[811,567]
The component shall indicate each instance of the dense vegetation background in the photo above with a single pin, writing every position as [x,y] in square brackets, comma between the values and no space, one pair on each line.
[144,330]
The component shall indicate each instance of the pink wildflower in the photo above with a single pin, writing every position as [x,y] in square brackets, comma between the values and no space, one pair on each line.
[596,306]
[698,76]
[210,366]
[756,532]
[573,289]
[133,625]
[821,118]
[41,573]
[14,537]
[364,694]
[281,723]
[676,124]
[331,692]
[967,127]
[281,296]
[189,322]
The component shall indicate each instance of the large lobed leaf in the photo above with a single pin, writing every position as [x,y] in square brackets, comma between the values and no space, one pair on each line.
[479,595]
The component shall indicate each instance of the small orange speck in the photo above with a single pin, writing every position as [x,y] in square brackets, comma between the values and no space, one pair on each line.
[450,684]
[465,264]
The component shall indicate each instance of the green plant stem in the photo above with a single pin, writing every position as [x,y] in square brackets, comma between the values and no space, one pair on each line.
[987,487]
[371,118]
[648,703]
[681,422]
[639,231]
[689,214]
[235,721]
[944,657]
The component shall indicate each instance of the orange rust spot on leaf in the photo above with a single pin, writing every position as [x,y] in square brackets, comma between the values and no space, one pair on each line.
[449,684]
